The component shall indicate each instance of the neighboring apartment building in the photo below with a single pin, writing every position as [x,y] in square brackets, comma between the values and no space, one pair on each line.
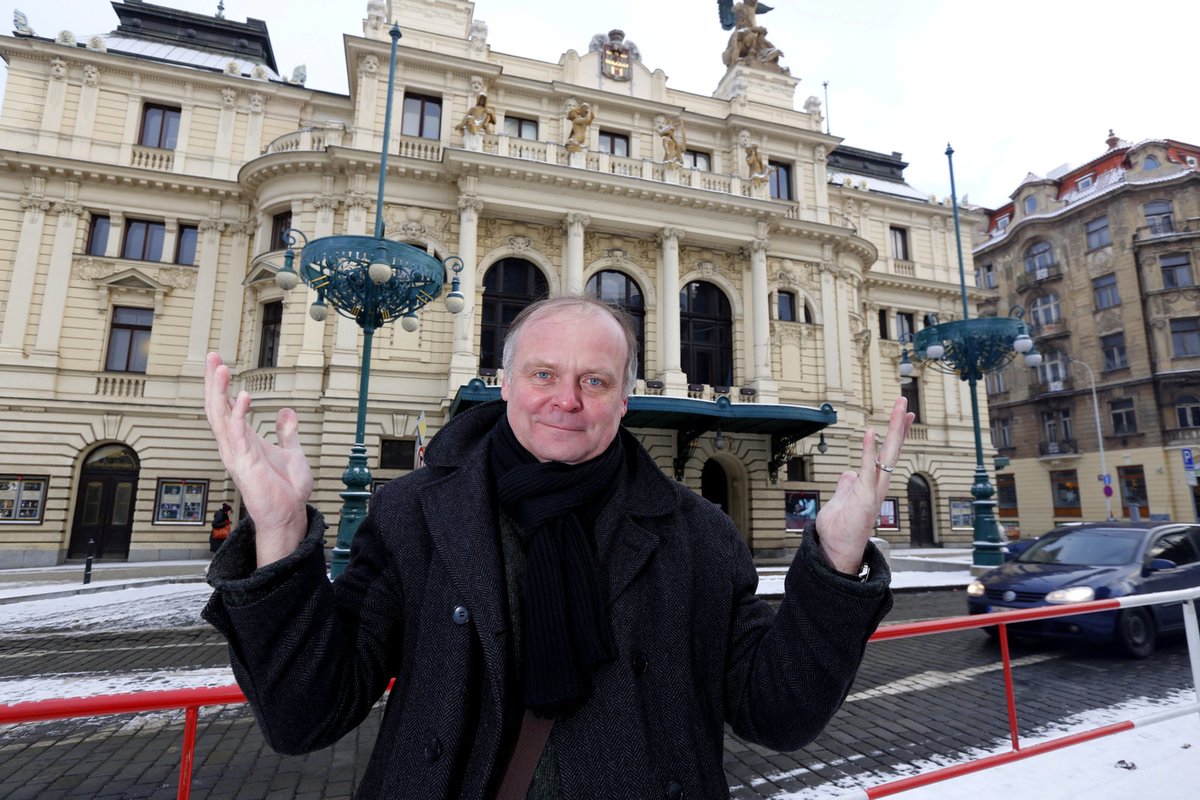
[150,176]
[1104,259]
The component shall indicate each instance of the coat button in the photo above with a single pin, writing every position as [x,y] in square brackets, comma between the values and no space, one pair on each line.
[639,666]
[433,750]
[461,615]
[674,791]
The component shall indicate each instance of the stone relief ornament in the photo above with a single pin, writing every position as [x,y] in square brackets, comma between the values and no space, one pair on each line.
[748,43]
[256,103]
[97,43]
[617,54]
[91,75]
[65,37]
[89,269]
[177,278]
[369,64]
[259,72]
[519,244]
[58,69]
[233,68]
[228,97]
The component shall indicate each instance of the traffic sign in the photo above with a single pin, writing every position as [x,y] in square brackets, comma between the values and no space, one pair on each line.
[1108,490]
[1188,463]
[1107,480]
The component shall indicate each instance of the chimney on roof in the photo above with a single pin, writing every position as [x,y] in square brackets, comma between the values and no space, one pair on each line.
[1113,140]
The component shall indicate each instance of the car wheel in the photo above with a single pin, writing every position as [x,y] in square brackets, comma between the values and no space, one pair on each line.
[1135,632]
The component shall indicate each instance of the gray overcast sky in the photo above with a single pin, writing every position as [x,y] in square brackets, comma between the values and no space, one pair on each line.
[1016,87]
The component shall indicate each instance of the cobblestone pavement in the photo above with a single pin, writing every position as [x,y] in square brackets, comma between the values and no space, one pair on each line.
[914,699]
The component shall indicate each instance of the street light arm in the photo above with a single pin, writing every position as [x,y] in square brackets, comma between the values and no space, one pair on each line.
[1099,433]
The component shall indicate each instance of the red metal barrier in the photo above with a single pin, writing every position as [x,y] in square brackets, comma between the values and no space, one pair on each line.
[191,700]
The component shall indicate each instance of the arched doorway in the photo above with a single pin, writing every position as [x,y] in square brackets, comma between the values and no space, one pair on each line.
[714,485]
[104,503]
[920,513]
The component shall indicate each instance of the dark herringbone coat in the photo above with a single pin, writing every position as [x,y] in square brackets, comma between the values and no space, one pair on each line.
[423,600]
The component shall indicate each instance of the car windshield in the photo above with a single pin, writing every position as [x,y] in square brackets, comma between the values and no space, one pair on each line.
[1096,547]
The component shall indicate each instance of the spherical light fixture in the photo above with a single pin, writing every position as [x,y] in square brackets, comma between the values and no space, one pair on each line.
[380,272]
[318,310]
[1022,344]
[935,351]
[410,322]
[1033,359]
[286,278]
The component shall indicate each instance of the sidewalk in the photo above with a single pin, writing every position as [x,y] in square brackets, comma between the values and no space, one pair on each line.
[912,570]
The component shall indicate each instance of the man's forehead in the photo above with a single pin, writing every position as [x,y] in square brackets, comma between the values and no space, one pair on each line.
[538,346]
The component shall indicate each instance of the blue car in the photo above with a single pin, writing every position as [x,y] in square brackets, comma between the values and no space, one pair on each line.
[1096,561]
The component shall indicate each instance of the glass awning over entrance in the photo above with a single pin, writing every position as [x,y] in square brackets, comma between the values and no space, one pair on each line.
[690,418]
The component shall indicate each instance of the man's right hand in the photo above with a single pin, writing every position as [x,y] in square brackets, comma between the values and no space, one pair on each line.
[274,480]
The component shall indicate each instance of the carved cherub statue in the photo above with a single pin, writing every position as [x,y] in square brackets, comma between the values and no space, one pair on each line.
[479,118]
[758,169]
[580,116]
[673,140]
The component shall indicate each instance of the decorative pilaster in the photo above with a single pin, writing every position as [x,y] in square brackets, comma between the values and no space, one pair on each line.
[312,344]
[829,316]
[573,277]
[207,263]
[85,117]
[253,144]
[669,355]
[20,290]
[239,234]
[464,362]
[52,111]
[58,277]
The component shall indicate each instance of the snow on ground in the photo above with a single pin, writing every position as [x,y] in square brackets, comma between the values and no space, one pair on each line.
[1165,756]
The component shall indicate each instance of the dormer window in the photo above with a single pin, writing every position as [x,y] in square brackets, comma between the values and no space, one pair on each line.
[1002,223]
[1085,183]
[1030,204]
[1150,163]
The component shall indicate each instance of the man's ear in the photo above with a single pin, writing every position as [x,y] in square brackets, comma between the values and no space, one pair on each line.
[504,389]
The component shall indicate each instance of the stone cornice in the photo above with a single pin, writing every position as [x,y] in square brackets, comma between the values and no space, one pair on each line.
[927,287]
[93,172]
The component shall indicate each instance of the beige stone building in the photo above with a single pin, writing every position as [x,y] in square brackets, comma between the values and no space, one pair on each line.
[149,176]
[1104,259]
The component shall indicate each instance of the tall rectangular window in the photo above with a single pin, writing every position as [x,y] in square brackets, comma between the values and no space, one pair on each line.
[883,324]
[129,339]
[281,223]
[1097,233]
[1124,416]
[985,276]
[696,159]
[1160,218]
[143,240]
[787,306]
[422,116]
[521,128]
[911,391]
[1185,337]
[1132,481]
[995,383]
[1064,487]
[905,327]
[160,126]
[615,144]
[899,237]
[1104,289]
[268,334]
[97,242]
[1176,270]
[1113,347]
[780,180]
[1001,432]
[185,245]
[1006,495]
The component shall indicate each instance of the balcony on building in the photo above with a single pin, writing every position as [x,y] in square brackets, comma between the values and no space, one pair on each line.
[1028,280]
[1038,389]
[1058,448]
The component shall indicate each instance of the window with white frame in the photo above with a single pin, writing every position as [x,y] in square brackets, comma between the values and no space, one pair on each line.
[1187,408]
[1085,183]
[129,339]
[520,128]
[1160,217]
[697,159]
[422,116]
[1053,368]
[1104,290]
[1097,233]
[780,180]
[1045,310]
[995,383]
[899,239]
[143,240]
[1002,432]
[1038,256]
[1176,270]
[180,501]
[1113,347]
[616,144]
[1123,415]
[1185,337]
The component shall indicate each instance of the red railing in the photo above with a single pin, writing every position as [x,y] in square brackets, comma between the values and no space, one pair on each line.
[191,700]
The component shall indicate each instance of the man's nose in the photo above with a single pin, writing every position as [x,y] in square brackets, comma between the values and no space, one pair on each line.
[568,396]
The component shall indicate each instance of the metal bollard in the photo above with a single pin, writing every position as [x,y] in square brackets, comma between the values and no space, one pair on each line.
[87,564]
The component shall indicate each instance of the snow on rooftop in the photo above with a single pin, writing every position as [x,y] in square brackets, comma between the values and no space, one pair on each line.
[187,56]
[874,184]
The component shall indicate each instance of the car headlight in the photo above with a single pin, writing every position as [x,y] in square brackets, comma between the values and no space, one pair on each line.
[975,589]
[1076,594]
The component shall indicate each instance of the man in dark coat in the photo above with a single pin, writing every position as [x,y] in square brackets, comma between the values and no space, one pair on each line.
[539,588]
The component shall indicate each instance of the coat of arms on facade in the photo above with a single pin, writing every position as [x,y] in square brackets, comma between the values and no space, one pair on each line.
[617,54]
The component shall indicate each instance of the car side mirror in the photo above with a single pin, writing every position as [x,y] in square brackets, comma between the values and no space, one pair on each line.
[1157,564]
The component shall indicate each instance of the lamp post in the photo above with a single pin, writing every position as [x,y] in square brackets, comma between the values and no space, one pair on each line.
[971,348]
[373,281]
[1099,437]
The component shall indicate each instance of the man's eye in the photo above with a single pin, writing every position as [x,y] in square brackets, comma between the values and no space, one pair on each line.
[593,383]
[542,375]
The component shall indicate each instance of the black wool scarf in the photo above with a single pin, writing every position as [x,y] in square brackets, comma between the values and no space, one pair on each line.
[564,626]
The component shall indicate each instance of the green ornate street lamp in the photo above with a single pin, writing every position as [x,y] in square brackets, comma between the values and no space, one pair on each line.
[373,281]
[971,348]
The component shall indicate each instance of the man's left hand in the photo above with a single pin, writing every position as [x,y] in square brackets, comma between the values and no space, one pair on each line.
[845,523]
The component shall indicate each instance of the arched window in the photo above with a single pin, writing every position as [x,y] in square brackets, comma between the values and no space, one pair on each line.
[1188,409]
[787,306]
[618,289]
[1038,255]
[706,334]
[1045,310]
[1150,163]
[509,285]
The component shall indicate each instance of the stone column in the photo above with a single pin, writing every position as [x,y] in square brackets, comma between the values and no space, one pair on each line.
[669,356]
[208,261]
[760,316]
[28,256]
[464,362]
[573,273]
[58,279]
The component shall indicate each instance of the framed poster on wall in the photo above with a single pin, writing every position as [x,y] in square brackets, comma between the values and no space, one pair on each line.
[800,508]
[889,515]
[962,513]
